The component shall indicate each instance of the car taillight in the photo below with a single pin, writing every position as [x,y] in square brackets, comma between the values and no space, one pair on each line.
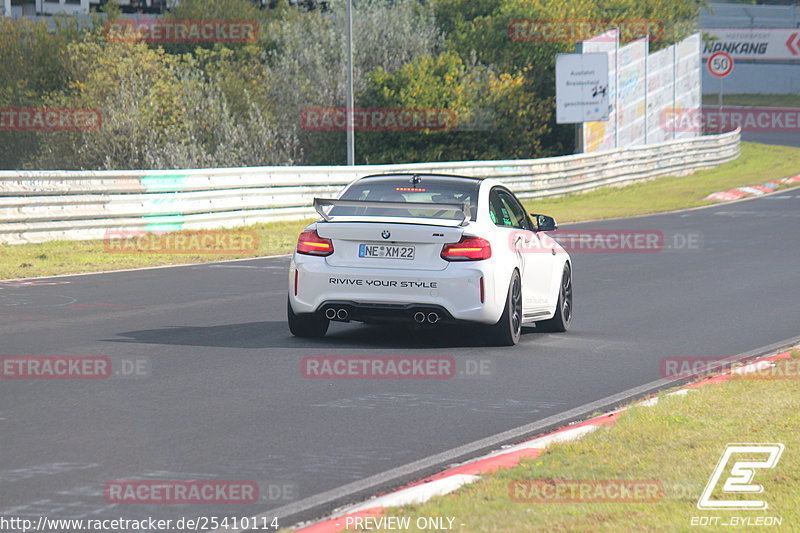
[467,249]
[309,243]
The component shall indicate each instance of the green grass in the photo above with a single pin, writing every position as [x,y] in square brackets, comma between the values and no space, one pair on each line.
[757,100]
[757,164]
[676,443]
[62,257]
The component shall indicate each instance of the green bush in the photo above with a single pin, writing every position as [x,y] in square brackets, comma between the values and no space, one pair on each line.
[493,113]
[32,67]
[159,111]
[230,104]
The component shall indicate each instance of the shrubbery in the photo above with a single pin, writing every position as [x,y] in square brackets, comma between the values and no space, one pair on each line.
[186,105]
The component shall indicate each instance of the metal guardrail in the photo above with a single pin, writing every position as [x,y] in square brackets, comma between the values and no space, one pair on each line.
[39,206]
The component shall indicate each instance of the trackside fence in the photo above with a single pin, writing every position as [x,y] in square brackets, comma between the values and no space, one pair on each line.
[39,206]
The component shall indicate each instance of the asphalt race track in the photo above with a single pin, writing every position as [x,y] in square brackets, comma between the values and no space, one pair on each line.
[220,395]
[772,137]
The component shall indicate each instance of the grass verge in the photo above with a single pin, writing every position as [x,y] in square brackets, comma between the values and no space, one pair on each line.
[760,100]
[66,257]
[676,443]
[757,164]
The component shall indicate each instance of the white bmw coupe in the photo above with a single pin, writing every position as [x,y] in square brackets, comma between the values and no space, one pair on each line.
[429,249]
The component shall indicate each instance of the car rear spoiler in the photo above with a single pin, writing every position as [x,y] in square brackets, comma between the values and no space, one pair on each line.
[320,203]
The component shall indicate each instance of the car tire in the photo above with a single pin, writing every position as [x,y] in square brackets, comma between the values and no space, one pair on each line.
[563,317]
[508,329]
[306,325]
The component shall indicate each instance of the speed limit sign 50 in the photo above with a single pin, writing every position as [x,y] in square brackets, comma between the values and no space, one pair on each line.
[720,64]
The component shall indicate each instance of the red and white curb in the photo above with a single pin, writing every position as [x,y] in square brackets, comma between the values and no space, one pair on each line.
[510,456]
[756,190]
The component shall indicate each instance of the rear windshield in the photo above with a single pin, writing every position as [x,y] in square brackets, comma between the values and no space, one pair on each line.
[439,190]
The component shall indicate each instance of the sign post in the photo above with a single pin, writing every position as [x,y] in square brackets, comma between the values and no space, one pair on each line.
[581,88]
[720,64]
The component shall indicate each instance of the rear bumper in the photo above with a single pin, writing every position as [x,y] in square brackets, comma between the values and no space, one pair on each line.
[390,295]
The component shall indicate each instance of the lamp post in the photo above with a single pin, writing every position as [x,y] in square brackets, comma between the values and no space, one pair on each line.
[351,151]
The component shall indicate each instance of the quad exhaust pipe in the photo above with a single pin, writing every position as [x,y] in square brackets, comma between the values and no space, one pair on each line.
[341,314]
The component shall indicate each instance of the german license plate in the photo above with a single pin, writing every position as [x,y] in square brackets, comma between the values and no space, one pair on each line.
[385,251]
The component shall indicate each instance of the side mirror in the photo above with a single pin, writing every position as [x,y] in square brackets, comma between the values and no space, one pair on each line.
[544,223]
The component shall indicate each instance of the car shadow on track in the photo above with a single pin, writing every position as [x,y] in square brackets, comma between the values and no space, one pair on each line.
[275,334]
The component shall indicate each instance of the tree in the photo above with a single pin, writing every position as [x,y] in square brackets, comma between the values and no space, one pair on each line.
[33,67]
[493,113]
[307,67]
[159,111]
